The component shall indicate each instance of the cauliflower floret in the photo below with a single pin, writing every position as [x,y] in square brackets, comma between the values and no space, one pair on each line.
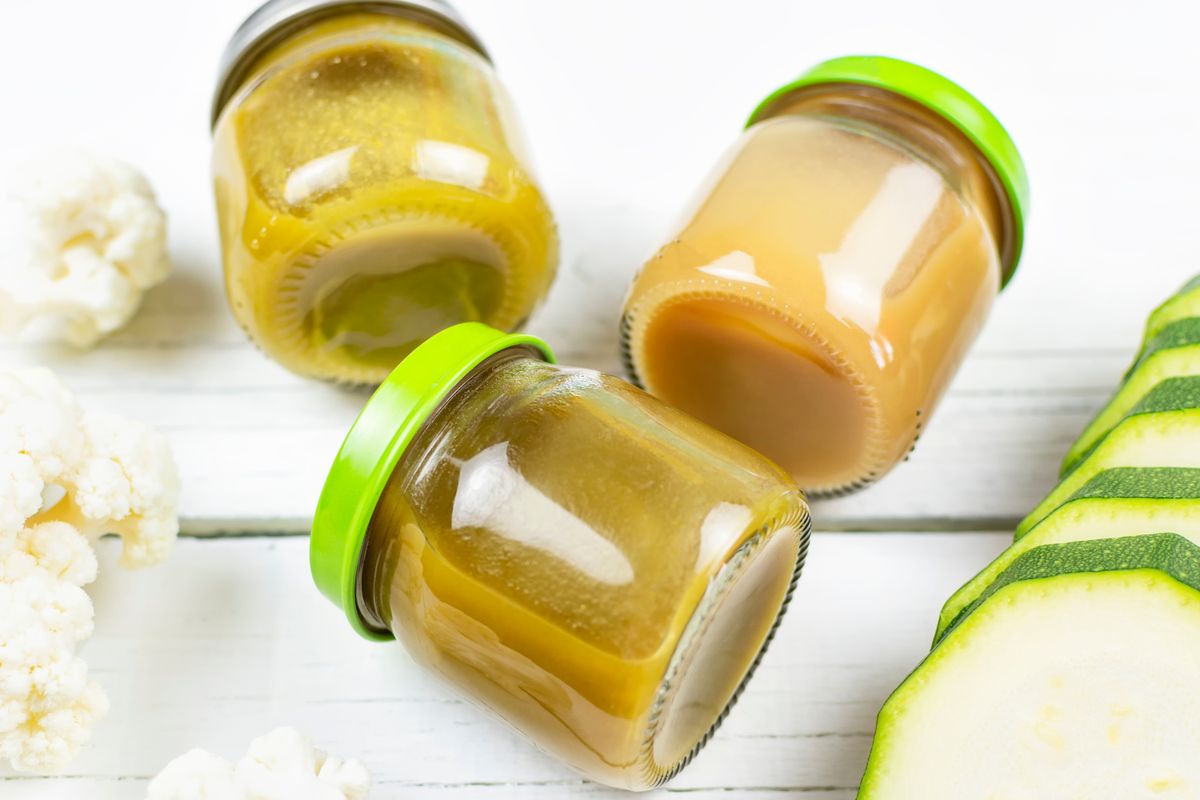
[83,238]
[283,765]
[20,495]
[53,548]
[47,704]
[127,484]
[96,471]
[41,438]
[196,775]
[67,476]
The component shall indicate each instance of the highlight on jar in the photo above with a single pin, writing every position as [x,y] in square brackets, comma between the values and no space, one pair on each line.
[372,185]
[595,567]
[835,269]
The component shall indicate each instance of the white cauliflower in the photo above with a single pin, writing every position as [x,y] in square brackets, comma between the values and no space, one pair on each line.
[47,704]
[67,476]
[283,765]
[96,471]
[81,238]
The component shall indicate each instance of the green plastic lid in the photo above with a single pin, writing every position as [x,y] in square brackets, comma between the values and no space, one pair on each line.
[943,96]
[375,444]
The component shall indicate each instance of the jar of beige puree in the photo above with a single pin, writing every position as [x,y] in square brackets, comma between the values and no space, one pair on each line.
[837,267]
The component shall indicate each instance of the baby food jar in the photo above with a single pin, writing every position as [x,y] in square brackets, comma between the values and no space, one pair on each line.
[597,568]
[371,185]
[834,271]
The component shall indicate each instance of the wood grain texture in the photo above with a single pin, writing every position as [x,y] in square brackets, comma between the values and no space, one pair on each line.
[229,639]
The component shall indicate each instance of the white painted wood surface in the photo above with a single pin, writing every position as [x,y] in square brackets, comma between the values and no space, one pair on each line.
[229,639]
[627,104]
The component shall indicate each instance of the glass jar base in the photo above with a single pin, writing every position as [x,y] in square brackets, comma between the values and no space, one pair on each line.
[763,377]
[353,307]
[721,647]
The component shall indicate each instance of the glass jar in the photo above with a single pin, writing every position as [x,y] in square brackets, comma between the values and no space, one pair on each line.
[832,274]
[371,184]
[597,568]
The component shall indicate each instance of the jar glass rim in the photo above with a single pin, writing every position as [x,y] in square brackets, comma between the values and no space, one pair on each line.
[945,98]
[376,442]
[277,20]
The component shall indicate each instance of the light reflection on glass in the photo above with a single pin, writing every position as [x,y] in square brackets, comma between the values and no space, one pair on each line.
[721,525]
[318,176]
[494,496]
[857,273]
[735,266]
[451,163]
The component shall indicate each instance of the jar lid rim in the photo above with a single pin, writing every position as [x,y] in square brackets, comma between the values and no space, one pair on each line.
[275,20]
[376,442]
[944,97]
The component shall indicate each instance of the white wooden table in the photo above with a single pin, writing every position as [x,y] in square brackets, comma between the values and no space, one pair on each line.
[627,104]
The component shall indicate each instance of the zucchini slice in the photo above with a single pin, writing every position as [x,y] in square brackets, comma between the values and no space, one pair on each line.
[1174,352]
[1162,430]
[1117,502]
[1184,303]
[1075,675]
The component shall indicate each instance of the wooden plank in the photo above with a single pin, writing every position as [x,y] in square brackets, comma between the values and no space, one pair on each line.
[229,639]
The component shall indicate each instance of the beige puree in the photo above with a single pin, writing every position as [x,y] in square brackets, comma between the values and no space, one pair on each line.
[826,287]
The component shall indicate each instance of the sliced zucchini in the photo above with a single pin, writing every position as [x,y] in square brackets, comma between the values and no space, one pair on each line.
[1173,353]
[1117,502]
[1162,430]
[1075,675]
[1184,303]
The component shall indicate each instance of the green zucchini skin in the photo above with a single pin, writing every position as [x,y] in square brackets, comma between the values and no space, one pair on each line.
[1149,483]
[1173,394]
[1157,551]
[1168,553]
[1171,558]
[1171,406]
[1180,333]
[1184,303]
[1173,353]
[1126,498]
